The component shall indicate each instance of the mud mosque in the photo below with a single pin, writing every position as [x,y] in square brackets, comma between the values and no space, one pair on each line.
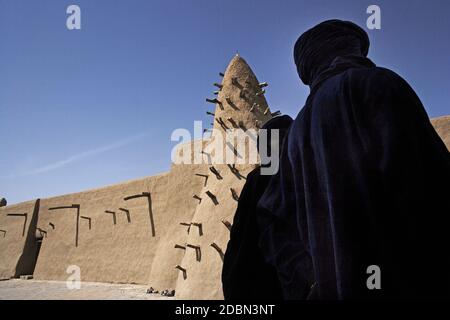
[168,231]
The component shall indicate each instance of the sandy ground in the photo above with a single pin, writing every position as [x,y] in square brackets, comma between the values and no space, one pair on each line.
[16,289]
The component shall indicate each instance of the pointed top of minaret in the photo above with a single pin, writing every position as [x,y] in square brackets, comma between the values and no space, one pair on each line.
[240,102]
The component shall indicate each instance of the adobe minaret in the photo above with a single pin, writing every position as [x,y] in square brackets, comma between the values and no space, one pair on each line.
[240,103]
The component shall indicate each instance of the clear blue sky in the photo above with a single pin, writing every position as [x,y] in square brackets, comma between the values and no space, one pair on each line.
[86,108]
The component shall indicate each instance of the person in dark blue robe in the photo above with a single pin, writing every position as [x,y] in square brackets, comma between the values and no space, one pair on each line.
[359,208]
[245,274]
